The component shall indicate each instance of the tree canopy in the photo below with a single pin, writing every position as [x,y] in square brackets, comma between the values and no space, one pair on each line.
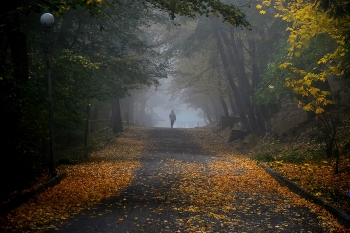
[101,52]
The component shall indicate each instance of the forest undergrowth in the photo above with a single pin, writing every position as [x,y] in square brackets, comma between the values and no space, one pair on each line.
[89,180]
[296,155]
[110,169]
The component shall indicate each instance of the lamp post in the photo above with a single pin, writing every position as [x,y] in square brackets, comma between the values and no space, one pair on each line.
[47,20]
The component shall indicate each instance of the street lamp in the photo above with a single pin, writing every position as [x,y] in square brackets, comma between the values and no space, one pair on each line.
[47,20]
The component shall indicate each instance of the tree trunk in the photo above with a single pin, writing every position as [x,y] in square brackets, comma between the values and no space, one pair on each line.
[87,123]
[256,121]
[131,107]
[244,87]
[207,114]
[3,54]
[222,100]
[233,105]
[256,113]
[224,106]
[214,109]
[96,112]
[237,58]
[240,103]
[17,42]
[117,123]
[142,111]
[63,36]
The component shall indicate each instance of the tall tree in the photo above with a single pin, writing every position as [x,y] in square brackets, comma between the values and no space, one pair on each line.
[309,27]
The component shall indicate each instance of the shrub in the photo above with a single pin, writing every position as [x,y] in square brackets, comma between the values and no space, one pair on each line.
[264,157]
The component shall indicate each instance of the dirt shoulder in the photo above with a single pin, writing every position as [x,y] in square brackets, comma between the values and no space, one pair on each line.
[295,154]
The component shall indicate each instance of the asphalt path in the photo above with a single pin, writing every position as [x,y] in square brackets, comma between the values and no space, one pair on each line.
[149,203]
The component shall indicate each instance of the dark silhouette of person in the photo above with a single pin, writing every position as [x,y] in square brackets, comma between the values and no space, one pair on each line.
[172,117]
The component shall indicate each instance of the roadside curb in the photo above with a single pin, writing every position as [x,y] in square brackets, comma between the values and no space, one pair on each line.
[6,208]
[343,218]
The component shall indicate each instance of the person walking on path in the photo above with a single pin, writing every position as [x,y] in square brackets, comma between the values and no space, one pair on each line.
[172,117]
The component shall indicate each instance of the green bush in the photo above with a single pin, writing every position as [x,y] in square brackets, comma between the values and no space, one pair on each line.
[264,157]
[293,157]
[317,155]
[80,153]
[253,140]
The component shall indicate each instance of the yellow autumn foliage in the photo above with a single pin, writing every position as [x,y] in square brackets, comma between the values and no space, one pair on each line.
[307,23]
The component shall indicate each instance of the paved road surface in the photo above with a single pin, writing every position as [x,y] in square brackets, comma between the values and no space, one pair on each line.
[149,204]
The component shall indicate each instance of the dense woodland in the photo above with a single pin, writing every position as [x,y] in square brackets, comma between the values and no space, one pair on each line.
[234,59]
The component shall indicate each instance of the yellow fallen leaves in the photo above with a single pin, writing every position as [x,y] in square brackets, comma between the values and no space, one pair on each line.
[238,174]
[250,178]
[318,179]
[129,146]
[220,191]
[109,171]
[85,185]
[228,183]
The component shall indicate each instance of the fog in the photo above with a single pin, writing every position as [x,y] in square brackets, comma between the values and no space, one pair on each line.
[185,118]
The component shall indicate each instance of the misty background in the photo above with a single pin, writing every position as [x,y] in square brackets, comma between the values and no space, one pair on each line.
[254,67]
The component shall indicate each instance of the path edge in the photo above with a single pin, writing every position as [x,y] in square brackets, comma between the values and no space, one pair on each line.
[8,207]
[342,218]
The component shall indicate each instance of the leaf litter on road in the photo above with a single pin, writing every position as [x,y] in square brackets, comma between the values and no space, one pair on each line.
[229,192]
[240,175]
[108,171]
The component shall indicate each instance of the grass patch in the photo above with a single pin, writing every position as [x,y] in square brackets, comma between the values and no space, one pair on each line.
[293,157]
[298,156]
[317,154]
[81,153]
[264,157]
[74,155]
[253,140]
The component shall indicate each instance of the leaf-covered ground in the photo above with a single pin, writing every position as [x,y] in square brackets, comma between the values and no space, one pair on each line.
[296,152]
[303,161]
[168,180]
[318,179]
[108,171]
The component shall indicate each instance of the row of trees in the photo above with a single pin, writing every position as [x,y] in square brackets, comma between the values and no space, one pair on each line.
[317,49]
[101,54]
[105,50]
[221,67]
[292,51]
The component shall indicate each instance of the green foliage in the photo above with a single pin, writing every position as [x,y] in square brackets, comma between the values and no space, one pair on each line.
[100,53]
[272,88]
[78,153]
[300,155]
[336,9]
[273,85]
[21,137]
[264,157]
[292,157]
[88,63]
[227,12]
[253,140]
